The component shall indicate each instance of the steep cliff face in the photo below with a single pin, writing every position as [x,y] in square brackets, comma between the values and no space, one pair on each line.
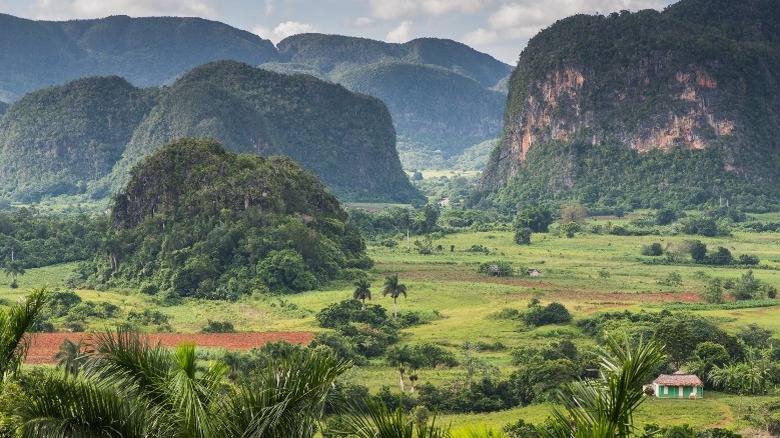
[649,81]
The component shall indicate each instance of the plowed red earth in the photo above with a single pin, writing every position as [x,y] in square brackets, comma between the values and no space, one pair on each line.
[45,345]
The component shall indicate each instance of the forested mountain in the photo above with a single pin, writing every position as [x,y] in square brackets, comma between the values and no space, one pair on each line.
[3,108]
[346,139]
[196,220]
[86,135]
[438,91]
[680,106]
[429,116]
[57,140]
[155,51]
[334,54]
[145,51]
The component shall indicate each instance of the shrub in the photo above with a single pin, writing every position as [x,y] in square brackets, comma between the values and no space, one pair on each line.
[553,313]
[523,236]
[498,268]
[654,250]
[218,327]
[746,259]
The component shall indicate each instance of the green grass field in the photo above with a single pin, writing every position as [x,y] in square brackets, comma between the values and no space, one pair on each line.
[588,274]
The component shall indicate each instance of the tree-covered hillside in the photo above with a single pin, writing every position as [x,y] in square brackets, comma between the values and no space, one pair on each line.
[196,220]
[55,141]
[145,51]
[697,81]
[334,54]
[83,137]
[441,93]
[346,139]
[427,113]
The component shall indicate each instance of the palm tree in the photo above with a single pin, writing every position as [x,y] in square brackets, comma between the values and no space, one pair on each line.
[363,291]
[14,325]
[604,407]
[71,356]
[395,290]
[14,269]
[130,388]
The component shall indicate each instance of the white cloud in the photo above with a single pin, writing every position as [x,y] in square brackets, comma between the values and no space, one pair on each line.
[523,19]
[481,37]
[283,30]
[401,34]
[393,10]
[269,7]
[359,22]
[65,9]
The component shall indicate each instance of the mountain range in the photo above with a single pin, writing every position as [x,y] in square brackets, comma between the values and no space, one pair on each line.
[433,124]
[85,136]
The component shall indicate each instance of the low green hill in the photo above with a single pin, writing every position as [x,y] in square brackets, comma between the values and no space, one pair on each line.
[57,140]
[196,220]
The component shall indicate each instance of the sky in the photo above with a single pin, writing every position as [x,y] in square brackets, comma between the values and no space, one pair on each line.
[500,28]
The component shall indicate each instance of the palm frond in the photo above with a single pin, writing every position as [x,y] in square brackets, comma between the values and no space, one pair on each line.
[56,406]
[286,399]
[15,324]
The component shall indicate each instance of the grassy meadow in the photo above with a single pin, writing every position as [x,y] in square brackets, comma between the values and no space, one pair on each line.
[588,273]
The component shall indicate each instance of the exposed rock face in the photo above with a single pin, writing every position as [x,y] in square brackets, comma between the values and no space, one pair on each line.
[648,81]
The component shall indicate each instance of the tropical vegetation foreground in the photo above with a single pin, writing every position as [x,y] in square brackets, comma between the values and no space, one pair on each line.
[478,346]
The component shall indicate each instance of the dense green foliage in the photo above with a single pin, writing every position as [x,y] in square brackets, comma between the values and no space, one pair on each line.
[196,220]
[146,51]
[671,79]
[58,140]
[33,240]
[626,179]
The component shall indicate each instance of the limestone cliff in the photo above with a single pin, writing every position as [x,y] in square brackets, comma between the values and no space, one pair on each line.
[650,81]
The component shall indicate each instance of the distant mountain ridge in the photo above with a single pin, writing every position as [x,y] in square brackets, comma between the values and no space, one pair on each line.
[442,94]
[85,136]
[145,51]
[647,108]
[155,51]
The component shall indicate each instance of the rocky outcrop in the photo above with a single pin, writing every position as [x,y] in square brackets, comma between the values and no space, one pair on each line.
[648,81]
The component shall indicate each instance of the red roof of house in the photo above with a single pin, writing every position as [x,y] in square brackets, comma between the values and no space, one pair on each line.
[679,378]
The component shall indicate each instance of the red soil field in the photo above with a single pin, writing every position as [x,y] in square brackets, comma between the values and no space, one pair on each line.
[45,345]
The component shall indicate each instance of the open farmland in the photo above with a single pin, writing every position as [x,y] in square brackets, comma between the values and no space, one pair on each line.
[589,274]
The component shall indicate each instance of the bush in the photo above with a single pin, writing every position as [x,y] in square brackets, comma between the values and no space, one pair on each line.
[746,259]
[553,313]
[218,327]
[653,250]
[523,236]
[498,268]
[348,311]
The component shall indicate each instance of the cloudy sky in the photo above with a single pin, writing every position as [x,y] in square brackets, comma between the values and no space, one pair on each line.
[498,27]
